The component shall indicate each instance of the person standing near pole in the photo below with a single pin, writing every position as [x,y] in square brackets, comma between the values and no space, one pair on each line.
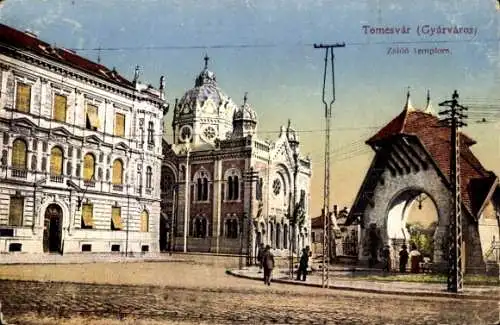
[268,264]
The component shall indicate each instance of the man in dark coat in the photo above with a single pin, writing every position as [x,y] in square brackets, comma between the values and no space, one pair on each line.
[403,259]
[303,264]
[267,264]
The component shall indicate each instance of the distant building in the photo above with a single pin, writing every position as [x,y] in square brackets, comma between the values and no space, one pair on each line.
[346,236]
[219,144]
[79,162]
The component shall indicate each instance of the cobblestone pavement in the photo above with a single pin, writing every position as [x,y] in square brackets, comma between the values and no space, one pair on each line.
[200,292]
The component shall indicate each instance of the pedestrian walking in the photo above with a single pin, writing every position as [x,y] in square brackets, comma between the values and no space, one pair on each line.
[303,265]
[403,259]
[267,264]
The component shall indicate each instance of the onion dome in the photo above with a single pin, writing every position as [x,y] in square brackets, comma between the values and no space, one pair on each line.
[244,120]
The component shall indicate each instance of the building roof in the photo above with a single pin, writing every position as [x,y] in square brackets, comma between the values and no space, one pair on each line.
[11,38]
[435,138]
[317,222]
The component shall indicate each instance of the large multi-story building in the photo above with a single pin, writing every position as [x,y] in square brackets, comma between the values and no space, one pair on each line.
[80,152]
[227,189]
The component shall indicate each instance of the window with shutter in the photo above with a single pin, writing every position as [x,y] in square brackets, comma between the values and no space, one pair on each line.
[92,117]
[16,208]
[87,215]
[116,218]
[144,221]
[56,161]
[19,154]
[23,97]
[88,167]
[117,172]
[60,106]
[119,125]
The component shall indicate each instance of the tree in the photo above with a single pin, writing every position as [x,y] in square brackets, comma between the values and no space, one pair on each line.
[423,237]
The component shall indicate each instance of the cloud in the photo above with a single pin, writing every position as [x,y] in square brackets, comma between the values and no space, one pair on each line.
[76,25]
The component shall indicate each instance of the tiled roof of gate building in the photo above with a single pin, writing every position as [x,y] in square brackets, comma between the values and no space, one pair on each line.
[436,140]
[12,38]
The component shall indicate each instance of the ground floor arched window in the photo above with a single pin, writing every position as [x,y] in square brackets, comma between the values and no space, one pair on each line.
[199,227]
[231,228]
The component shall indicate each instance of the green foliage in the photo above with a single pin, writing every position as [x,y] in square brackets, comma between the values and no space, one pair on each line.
[423,237]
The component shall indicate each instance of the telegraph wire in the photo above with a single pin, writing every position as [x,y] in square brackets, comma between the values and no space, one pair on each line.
[272,45]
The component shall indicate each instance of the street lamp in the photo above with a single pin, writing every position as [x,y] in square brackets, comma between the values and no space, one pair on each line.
[294,144]
[186,192]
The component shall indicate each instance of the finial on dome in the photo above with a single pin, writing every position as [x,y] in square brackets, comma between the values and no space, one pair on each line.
[428,106]
[408,105]
[289,123]
[245,98]
[206,58]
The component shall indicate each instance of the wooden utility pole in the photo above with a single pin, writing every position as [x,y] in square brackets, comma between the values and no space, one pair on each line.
[454,121]
[326,193]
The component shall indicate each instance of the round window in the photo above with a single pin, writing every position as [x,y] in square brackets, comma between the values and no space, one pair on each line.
[209,132]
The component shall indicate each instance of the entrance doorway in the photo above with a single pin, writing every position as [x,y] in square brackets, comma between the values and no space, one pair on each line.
[413,220]
[164,233]
[52,231]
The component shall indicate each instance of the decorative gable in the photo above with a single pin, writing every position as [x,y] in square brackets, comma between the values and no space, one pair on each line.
[93,139]
[61,131]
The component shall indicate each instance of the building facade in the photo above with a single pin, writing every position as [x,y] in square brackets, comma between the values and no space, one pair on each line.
[80,163]
[226,189]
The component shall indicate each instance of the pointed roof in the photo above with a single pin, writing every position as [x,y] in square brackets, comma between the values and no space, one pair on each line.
[408,105]
[435,138]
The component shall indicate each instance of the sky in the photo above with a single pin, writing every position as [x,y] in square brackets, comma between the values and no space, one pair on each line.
[265,48]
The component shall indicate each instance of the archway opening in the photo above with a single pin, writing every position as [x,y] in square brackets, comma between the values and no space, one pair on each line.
[52,231]
[412,221]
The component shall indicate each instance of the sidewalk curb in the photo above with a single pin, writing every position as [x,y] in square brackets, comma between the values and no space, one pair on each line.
[377,291]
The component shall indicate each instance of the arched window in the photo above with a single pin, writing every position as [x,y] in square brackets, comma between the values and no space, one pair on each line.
[230,188]
[272,234]
[204,227]
[236,188]
[56,161]
[199,190]
[19,154]
[199,227]
[201,185]
[117,172]
[278,236]
[233,184]
[205,189]
[144,221]
[149,175]
[88,166]
[232,228]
